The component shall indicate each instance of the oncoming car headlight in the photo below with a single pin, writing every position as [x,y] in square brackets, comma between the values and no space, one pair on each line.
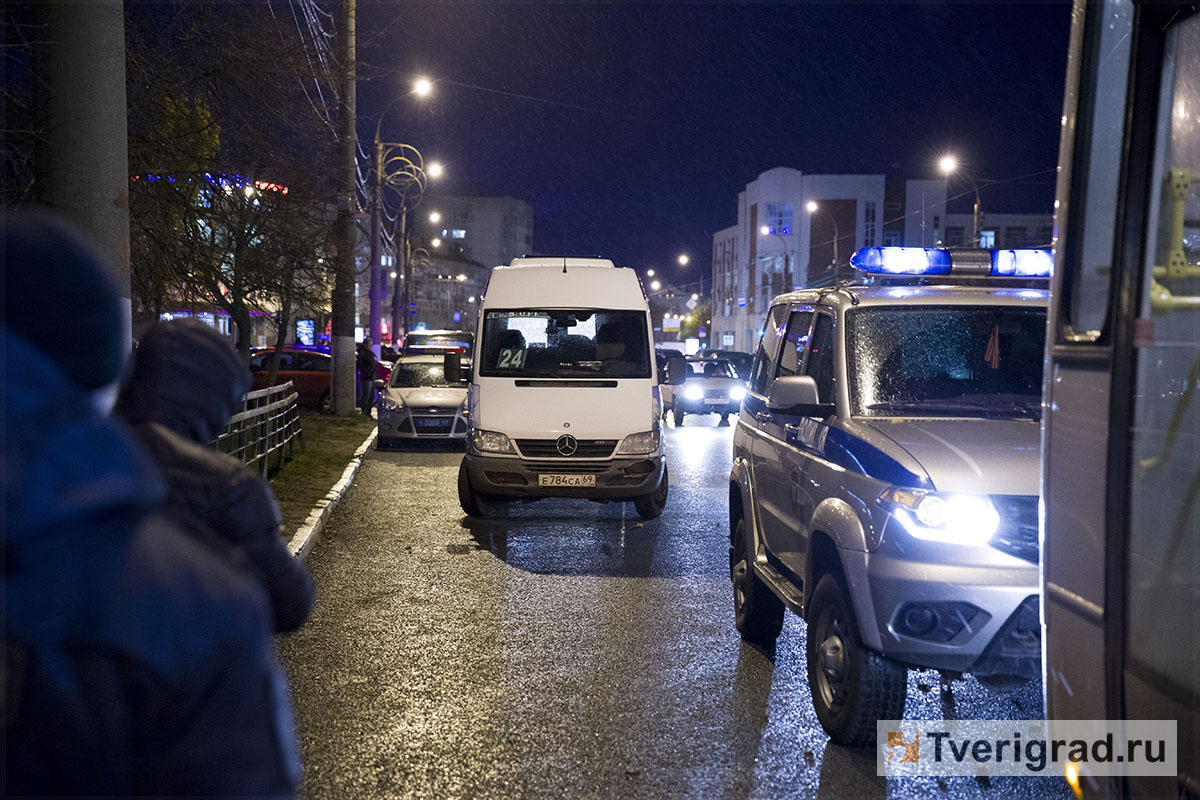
[737,393]
[640,443]
[693,392]
[389,404]
[491,442]
[968,519]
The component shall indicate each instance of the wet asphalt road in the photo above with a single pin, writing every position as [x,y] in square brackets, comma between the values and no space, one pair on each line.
[568,650]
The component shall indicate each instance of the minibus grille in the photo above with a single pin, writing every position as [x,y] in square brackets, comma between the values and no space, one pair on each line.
[548,448]
[1018,531]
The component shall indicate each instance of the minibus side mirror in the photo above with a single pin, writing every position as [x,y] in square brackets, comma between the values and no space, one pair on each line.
[797,395]
[677,370]
[452,367]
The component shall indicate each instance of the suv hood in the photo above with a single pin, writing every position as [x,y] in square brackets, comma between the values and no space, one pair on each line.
[977,456]
[429,396]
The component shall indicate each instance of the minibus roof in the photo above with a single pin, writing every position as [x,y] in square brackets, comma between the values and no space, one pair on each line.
[582,283]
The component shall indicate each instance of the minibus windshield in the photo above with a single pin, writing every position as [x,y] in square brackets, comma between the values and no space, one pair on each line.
[565,343]
[965,361]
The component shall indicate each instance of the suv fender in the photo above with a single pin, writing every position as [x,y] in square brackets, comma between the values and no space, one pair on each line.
[839,543]
[741,501]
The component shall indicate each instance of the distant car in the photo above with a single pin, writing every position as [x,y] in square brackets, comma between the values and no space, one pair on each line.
[712,386]
[437,343]
[742,362]
[308,368]
[418,403]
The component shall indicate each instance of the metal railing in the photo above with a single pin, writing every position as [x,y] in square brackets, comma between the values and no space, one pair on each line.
[268,425]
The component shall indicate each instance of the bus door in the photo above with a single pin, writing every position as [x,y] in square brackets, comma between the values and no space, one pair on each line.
[1121,439]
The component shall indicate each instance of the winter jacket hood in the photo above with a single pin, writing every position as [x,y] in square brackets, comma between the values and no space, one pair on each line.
[186,377]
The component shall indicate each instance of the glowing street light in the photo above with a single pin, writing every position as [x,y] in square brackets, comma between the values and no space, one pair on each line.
[764,230]
[434,170]
[683,260]
[422,87]
[436,243]
[695,296]
[435,217]
[655,286]
[812,206]
[949,164]
[650,273]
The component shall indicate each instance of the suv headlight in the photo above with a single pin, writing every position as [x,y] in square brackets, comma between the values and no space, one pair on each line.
[491,442]
[969,519]
[737,393]
[390,404]
[693,392]
[640,443]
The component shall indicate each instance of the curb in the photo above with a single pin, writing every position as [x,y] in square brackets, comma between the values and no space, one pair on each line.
[306,535]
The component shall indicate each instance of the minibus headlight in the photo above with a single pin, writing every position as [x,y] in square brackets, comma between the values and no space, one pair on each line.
[491,442]
[693,392]
[969,519]
[640,443]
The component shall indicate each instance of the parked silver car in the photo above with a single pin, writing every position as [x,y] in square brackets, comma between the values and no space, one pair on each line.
[885,484]
[418,403]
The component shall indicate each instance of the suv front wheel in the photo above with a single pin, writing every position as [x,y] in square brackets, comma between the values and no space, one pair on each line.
[852,687]
[757,612]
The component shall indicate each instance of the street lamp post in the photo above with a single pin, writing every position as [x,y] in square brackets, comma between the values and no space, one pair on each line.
[948,165]
[813,208]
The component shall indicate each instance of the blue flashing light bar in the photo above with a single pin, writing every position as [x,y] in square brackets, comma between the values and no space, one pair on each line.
[1023,263]
[902,260]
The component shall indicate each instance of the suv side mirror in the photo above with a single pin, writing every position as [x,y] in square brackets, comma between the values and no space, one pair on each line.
[797,395]
[677,370]
[452,367]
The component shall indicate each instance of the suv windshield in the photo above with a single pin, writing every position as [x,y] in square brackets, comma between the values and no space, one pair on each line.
[404,375]
[565,343]
[710,368]
[968,361]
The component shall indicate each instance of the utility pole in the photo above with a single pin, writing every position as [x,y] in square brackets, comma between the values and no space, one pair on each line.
[400,283]
[342,344]
[375,301]
[82,159]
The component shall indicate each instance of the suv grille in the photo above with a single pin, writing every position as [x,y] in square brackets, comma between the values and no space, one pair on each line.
[548,448]
[1018,532]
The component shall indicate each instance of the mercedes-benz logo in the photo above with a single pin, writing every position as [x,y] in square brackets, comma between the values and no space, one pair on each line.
[567,445]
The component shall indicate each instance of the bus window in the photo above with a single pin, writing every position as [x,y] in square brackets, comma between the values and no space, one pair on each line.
[1164,556]
[1102,117]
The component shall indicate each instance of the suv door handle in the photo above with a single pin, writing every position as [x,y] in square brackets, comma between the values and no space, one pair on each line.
[762,416]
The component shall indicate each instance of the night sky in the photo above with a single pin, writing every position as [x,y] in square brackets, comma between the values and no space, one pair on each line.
[631,129]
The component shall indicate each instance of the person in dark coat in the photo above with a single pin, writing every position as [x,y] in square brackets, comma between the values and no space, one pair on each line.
[136,662]
[366,376]
[187,381]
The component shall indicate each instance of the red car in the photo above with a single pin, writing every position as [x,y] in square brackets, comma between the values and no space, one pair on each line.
[307,369]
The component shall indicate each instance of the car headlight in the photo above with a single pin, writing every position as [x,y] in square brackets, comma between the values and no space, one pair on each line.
[953,518]
[693,392]
[491,442]
[390,404]
[737,393]
[640,443]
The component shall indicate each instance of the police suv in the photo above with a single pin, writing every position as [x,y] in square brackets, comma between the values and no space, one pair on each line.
[885,477]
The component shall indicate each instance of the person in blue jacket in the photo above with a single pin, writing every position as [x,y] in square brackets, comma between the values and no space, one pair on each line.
[136,661]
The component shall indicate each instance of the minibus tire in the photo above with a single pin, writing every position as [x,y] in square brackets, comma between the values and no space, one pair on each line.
[869,686]
[757,612]
[472,502]
[650,506]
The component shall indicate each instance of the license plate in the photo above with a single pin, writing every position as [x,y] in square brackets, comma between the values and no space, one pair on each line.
[715,401]
[566,480]
[432,422]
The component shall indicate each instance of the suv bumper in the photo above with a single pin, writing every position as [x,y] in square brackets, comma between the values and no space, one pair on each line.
[978,619]
[616,479]
[701,407]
